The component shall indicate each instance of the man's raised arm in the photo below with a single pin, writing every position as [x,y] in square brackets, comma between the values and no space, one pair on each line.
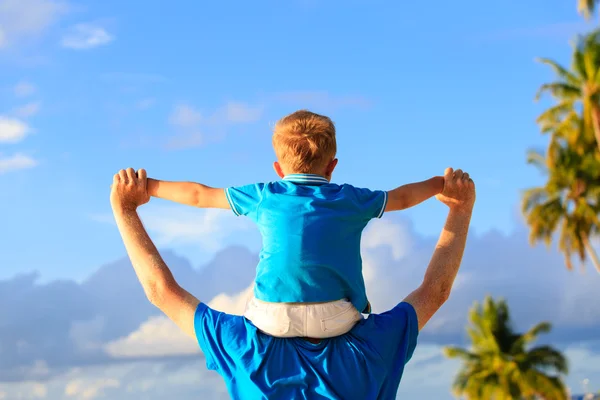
[459,196]
[129,192]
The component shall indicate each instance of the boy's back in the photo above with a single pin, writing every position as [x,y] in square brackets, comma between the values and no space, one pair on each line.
[309,279]
[311,233]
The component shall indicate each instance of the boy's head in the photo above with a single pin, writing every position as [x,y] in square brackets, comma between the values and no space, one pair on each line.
[304,143]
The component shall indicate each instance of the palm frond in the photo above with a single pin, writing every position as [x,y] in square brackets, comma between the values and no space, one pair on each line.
[560,91]
[457,352]
[561,71]
[545,357]
[530,336]
[586,7]
[538,159]
[546,387]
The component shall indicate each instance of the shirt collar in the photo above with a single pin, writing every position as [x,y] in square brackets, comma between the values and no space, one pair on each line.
[306,179]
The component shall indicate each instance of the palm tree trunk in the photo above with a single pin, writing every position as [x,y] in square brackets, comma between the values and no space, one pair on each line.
[591,252]
[596,122]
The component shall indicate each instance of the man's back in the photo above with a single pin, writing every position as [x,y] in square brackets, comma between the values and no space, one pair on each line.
[342,367]
[366,363]
[311,233]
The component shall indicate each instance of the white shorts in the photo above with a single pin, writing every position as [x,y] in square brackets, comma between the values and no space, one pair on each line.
[312,320]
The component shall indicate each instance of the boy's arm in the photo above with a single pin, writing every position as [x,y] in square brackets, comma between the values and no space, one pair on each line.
[190,193]
[410,195]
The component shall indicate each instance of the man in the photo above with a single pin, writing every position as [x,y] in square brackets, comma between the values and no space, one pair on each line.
[366,363]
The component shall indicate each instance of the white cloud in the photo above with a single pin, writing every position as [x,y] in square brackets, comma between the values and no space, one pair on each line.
[584,361]
[90,389]
[12,130]
[232,304]
[428,375]
[24,89]
[185,141]
[240,113]
[146,103]
[192,124]
[16,162]
[86,36]
[27,390]
[493,264]
[160,337]
[148,380]
[183,225]
[156,337]
[185,116]
[501,265]
[387,233]
[395,259]
[25,19]
[209,229]
[27,110]
[86,335]
[39,391]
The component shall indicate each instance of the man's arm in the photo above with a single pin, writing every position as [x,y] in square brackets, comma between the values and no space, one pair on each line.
[159,284]
[459,196]
[410,195]
[190,193]
[442,269]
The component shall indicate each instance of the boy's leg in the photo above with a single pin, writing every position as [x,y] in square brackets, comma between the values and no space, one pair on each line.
[273,318]
[326,320]
[314,320]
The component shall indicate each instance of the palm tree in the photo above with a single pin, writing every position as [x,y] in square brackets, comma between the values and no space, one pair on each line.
[577,91]
[586,7]
[569,202]
[500,365]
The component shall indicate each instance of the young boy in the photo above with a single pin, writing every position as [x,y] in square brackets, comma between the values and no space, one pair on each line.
[309,279]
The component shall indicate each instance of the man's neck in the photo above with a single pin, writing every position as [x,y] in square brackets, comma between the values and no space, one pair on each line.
[311,340]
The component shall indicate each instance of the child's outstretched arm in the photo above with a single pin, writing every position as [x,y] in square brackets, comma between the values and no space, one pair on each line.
[190,193]
[411,194]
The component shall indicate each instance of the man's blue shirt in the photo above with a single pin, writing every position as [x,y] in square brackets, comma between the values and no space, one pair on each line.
[366,363]
[311,232]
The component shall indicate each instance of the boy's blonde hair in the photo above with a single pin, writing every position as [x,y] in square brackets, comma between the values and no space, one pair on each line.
[304,142]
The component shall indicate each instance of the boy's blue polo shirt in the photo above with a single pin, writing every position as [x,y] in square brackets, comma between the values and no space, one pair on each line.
[311,232]
[366,363]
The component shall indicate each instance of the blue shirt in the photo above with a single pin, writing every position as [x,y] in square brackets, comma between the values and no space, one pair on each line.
[311,231]
[366,363]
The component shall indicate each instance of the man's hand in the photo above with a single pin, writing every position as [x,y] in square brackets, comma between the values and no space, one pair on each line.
[128,190]
[459,190]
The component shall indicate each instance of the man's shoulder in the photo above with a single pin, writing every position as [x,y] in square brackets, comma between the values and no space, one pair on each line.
[216,325]
[402,309]
[393,331]
[402,317]
[221,327]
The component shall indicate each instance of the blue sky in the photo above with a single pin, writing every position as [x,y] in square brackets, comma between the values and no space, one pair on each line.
[411,91]
[190,91]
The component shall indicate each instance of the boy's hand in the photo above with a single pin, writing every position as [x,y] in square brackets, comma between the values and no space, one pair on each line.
[128,190]
[459,190]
